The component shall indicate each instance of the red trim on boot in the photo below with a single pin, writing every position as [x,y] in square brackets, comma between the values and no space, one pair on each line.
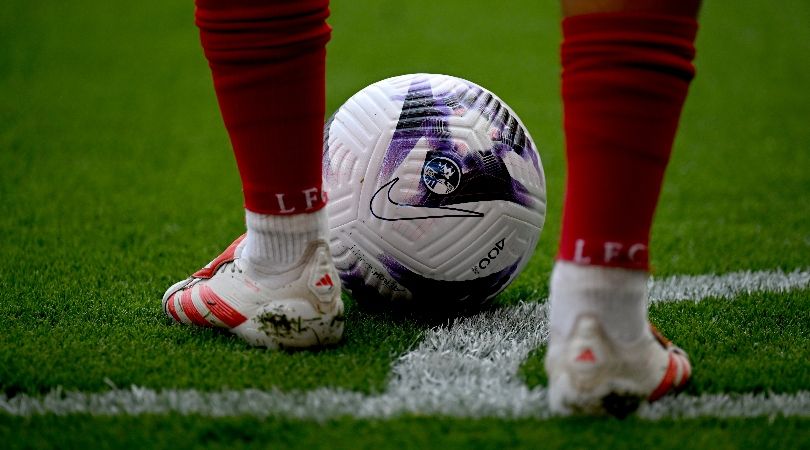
[227,256]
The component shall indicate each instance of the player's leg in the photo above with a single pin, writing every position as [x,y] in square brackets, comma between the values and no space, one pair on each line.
[277,286]
[627,65]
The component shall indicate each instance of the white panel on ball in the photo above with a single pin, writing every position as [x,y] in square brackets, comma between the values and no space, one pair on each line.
[436,191]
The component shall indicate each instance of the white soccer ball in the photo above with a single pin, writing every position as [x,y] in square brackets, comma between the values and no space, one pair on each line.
[436,192]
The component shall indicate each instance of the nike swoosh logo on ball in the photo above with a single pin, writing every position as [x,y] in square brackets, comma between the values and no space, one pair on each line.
[404,211]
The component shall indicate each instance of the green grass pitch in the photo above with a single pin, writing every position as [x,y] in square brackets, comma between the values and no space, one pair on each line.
[116,179]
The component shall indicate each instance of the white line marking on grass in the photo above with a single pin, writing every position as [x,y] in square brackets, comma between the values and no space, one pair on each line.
[699,287]
[466,369]
[322,404]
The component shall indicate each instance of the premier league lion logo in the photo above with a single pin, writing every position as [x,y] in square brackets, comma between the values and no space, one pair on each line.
[441,175]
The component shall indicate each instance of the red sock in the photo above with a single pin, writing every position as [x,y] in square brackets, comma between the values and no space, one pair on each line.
[625,78]
[268,59]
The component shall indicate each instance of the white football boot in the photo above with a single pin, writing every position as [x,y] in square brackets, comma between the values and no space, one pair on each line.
[590,374]
[298,308]
[603,355]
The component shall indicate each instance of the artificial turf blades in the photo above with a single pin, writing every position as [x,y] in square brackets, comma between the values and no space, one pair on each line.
[117,180]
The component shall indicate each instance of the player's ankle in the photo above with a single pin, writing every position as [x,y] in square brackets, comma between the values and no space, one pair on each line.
[615,296]
[275,243]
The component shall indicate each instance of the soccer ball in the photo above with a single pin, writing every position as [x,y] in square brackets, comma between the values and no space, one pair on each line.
[436,192]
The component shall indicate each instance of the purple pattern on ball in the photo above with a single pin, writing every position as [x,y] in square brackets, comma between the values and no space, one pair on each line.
[485,176]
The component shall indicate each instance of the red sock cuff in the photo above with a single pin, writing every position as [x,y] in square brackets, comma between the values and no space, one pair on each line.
[250,32]
[635,39]
[625,78]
